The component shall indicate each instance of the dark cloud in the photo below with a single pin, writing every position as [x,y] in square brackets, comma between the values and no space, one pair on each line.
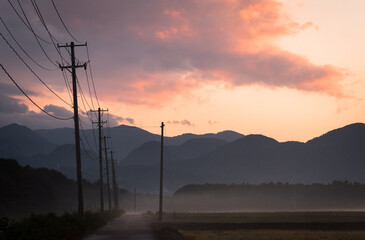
[182,122]
[8,101]
[129,120]
[12,90]
[115,120]
[58,111]
[11,105]
[19,113]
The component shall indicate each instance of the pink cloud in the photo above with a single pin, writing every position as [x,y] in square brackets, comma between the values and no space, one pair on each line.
[233,43]
[149,52]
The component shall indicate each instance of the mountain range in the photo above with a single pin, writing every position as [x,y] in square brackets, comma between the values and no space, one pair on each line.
[125,138]
[226,157]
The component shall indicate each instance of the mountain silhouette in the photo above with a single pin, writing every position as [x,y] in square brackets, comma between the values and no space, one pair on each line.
[336,155]
[16,140]
[63,159]
[227,136]
[127,138]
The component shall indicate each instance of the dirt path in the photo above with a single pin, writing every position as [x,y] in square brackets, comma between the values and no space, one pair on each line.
[126,227]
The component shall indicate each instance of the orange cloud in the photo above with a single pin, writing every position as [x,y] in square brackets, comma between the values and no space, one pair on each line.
[150,52]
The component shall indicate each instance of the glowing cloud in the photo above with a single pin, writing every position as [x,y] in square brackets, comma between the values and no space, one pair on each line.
[178,46]
[148,52]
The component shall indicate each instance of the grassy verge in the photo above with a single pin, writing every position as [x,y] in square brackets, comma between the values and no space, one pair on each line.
[50,226]
[260,226]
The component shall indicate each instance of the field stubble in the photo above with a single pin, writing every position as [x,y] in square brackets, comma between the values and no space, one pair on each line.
[260,226]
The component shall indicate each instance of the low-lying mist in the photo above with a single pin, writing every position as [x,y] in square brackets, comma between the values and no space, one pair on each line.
[338,196]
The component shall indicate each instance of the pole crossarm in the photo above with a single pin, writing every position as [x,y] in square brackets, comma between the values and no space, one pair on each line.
[75,45]
[101,110]
[74,65]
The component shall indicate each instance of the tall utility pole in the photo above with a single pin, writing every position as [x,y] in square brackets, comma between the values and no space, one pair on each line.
[107,174]
[115,186]
[161,175]
[76,122]
[135,200]
[100,124]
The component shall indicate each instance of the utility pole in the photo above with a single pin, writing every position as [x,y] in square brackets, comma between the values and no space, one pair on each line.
[115,186]
[161,175]
[100,158]
[135,200]
[107,174]
[76,122]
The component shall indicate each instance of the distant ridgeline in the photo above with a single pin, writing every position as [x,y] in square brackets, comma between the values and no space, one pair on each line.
[226,157]
[26,190]
[339,195]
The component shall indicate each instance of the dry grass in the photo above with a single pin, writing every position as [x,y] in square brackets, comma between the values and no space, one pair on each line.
[273,235]
[266,217]
[273,226]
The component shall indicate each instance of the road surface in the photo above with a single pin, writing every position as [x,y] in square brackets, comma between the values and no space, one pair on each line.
[126,227]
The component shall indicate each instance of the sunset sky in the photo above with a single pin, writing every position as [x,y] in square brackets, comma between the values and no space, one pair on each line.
[290,70]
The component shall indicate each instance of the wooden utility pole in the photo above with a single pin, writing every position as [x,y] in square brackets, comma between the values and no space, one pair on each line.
[115,186]
[76,122]
[107,174]
[99,123]
[135,200]
[161,175]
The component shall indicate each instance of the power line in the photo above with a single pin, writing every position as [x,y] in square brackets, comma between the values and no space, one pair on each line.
[35,35]
[33,71]
[88,86]
[110,136]
[59,118]
[29,27]
[85,137]
[93,131]
[39,65]
[85,150]
[68,87]
[84,110]
[64,25]
[83,96]
[38,12]
[91,75]
[35,6]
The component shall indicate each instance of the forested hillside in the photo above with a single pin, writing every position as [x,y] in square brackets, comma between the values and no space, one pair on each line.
[26,190]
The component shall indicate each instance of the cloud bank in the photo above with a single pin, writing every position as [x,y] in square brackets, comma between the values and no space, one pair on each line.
[158,50]
[148,52]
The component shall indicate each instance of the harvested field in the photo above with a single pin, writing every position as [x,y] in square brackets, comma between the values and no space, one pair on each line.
[275,225]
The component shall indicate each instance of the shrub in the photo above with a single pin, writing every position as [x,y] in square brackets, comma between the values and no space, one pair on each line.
[49,226]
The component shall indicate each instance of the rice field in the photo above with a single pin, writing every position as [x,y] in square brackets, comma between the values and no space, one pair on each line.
[260,226]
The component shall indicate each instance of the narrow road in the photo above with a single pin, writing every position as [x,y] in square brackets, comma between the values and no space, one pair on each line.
[126,227]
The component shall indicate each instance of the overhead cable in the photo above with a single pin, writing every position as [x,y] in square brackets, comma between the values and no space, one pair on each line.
[35,104]
[29,27]
[7,42]
[63,23]
[39,65]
